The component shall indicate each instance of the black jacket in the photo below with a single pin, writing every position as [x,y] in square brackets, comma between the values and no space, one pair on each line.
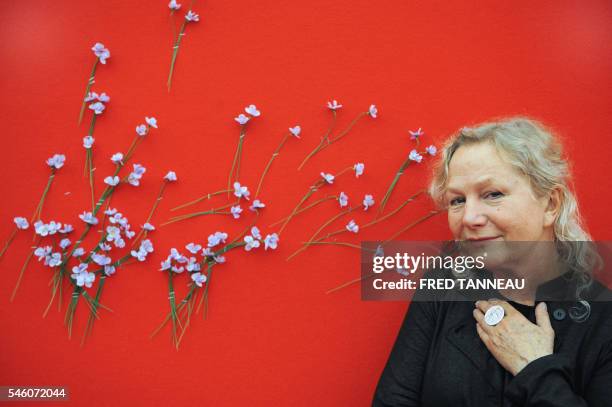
[439,360]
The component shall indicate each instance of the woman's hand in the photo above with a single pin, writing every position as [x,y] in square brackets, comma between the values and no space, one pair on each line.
[515,341]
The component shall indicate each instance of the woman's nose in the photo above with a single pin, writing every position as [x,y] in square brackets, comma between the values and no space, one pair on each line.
[473,214]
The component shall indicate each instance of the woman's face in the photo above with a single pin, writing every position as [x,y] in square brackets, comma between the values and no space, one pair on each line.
[489,200]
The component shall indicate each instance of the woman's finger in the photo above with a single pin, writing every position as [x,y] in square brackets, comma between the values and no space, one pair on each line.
[542,317]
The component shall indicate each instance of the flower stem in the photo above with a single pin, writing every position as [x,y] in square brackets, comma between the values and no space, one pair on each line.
[8,242]
[196,214]
[174,316]
[38,210]
[236,162]
[392,186]
[323,226]
[324,140]
[23,269]
[311,191]
[92,315]
[394,211]
[350,283]
[349,127]
[265,172]
[315,203]
[200,199]
[411,225]
[175,49]
[92,77]
[155,204]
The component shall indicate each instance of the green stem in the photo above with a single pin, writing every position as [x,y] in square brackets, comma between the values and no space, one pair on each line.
[324,139]
[38,210]
[265,172]
[200,199]
[315,203]
[349,127]
[175,50]
[8,242]
[90,82]
[236,159]
[392,186]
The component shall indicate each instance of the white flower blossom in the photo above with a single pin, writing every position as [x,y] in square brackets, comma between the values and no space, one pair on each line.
[82,276]
[173,5]
[66,229]
[251,243]
[209,253]
[193,247]
[151,121]
[117,158]
[192,17]
[216,238]
[373,112]
[103,97]
[64,243]
[177,270]
[136,175]
[255,233]
[236,210]
[88,217]
[165,265]
[193,265]
[379,251]
[257,204]
[145,248]
[109,270]
[88,142]
[97,107]
[242,119]
[359,167]
[415,156]
[171,176]
[54,260]
[368,201]
[148,227]
[198,278]
[415,134]
[78,252]
[343,199]
[41,228]
[241,191]
[100,259]
[329,178]
[352,227]
[333,105]
[57,161]
[252,110]
[271,241]
[54,227]
[431,150]
[141,130]
[295,131]
[110,211]
[21,223]
[42,252]
[101,52]
[112,181]
[107,248]
[91,96]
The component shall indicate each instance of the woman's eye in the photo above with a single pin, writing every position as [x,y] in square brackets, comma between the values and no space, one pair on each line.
[456,201]
[494,194]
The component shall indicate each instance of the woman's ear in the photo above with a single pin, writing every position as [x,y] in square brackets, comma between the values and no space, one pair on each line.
[553,207]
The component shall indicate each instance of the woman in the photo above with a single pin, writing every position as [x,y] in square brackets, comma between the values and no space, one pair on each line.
[507,182]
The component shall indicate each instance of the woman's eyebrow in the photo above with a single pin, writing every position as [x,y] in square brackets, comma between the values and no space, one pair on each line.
[486,180]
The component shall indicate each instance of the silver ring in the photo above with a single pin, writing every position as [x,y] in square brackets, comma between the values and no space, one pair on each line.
[494,315]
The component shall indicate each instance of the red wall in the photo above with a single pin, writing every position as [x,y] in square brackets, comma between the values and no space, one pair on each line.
[273,336]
